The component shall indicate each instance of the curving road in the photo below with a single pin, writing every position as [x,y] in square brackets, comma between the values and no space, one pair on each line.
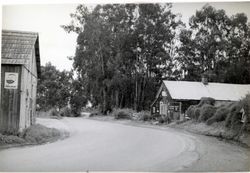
[108,146]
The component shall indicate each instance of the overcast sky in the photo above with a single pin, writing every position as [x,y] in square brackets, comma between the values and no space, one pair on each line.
[56,45]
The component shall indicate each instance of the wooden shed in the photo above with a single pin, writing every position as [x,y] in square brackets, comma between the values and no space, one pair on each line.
[20,69]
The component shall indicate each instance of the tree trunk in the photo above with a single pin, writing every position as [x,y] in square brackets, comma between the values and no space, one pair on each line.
[116,98]
[136,94]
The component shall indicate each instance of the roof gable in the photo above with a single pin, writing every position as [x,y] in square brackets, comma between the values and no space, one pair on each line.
[185,90]
[19,45]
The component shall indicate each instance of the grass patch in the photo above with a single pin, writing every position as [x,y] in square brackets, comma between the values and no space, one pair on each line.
[144,115]
[11,139]
[40,134]
[35,134]
[123,113]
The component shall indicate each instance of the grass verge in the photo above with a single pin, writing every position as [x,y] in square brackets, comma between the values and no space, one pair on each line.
[35,134]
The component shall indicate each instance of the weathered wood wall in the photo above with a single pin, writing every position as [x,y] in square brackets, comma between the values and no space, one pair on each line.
[20,53]
[28,94]
[10,104]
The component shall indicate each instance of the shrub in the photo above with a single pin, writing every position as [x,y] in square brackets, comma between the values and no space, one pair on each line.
[39,134]
[206,112]
[220,115]
[10,139]
[190,111]
[65,112]
[196,113]
[164,119]
[232,114]
[246,106]
[122,113]
[206,100]
[193,112]
[54,113]
[144,115]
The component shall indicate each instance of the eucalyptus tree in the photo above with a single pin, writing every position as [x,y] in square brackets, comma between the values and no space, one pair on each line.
[121,50]
[214,44]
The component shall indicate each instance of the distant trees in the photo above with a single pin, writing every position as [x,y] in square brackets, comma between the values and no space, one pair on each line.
[216,44]
[54,88]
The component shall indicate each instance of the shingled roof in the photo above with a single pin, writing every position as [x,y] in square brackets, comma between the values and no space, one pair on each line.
[185,90]
[19,45]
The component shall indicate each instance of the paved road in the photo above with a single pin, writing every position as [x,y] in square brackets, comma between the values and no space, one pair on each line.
[108,146]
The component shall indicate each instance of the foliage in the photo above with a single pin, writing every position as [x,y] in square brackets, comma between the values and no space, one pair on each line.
[10,139]
[123,113]
[190,111]
[233,119]
[164,119]
[207,111]
[220,114]
[206,100]
[40,134]
[78,97]
[53,89]
[216,45]
[144,115]
[119,57]
[65,112]
[54,113]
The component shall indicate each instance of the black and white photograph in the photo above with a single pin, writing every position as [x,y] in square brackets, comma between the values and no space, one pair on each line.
[125,86]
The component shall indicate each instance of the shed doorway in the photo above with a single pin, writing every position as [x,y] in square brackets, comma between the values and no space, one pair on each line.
[163,108]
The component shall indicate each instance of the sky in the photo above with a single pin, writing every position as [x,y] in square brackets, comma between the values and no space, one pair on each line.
[56,45]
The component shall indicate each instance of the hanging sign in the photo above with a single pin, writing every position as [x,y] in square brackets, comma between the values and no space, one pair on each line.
[11,80]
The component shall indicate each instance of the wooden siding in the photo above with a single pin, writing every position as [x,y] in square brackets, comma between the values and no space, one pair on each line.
[28,96]
[10,104]
[18,107]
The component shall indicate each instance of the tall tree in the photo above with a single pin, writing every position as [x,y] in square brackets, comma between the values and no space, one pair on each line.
[214,44]
[122,49]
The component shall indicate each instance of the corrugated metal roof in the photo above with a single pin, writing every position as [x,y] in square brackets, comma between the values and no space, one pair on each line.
[185,90]
[19,45]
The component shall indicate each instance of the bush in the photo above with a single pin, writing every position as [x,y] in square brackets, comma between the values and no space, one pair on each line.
[206,100]
[197,112]
[232,114]
[65,112]
[193,112]
[94,112]
[220,115]
[39,134]
[246,106]
[54,113]
[122,113]
[190,111]
[206,112]
[164,119]
[144,115]
[10,139]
